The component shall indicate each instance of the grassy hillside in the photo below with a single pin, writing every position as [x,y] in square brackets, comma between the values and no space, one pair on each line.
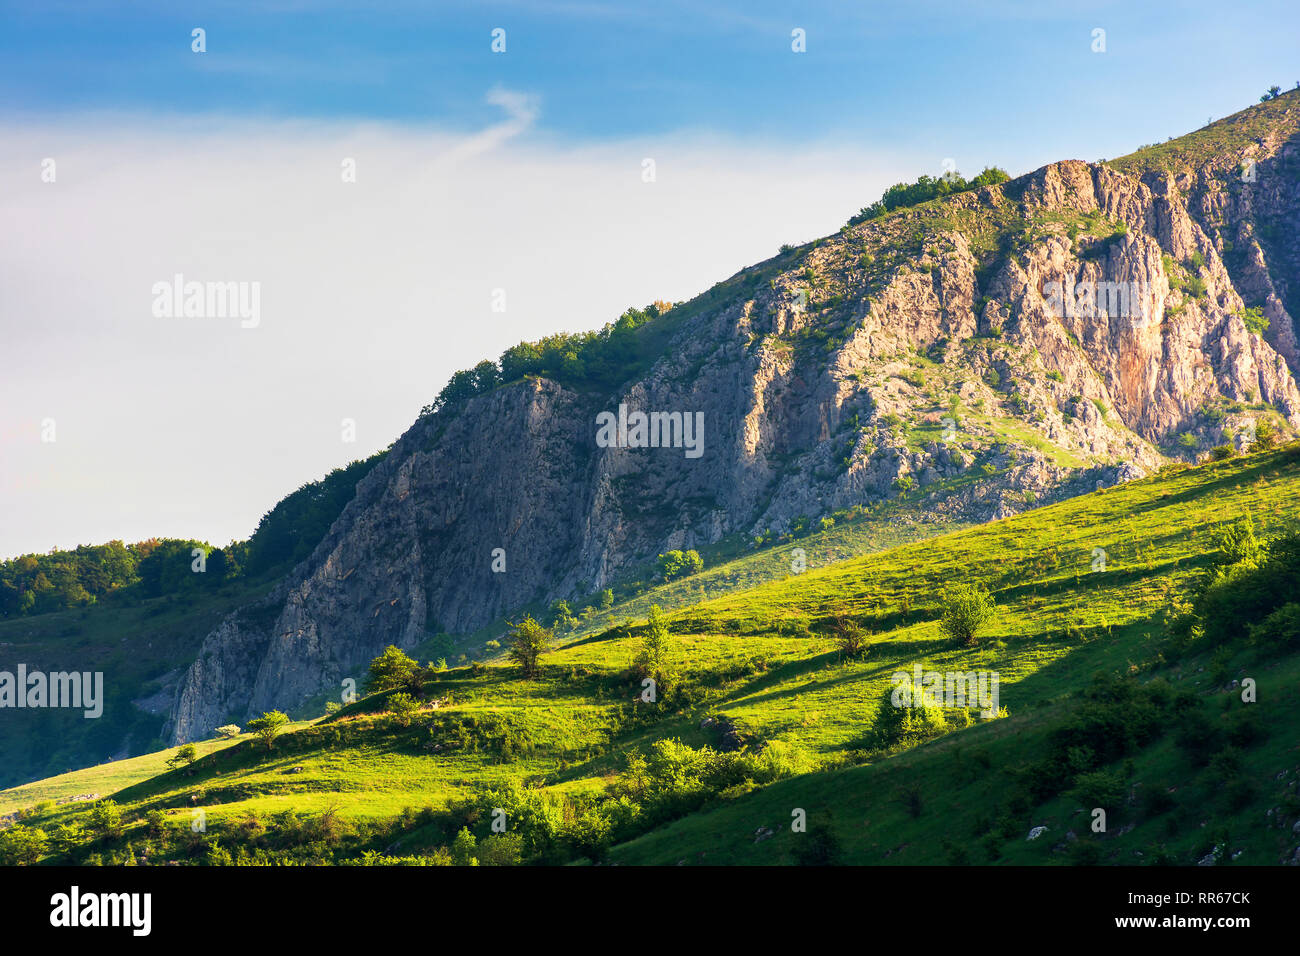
[764,718]
[1227,140]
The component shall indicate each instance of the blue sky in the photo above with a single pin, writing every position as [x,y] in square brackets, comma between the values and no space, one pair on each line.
[1011,81]
[476,173]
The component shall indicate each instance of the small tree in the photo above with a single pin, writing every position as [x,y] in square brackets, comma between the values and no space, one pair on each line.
[849,637]
[966,609]
[392,670]
[528,642]
[185,755]
[22,846]
[268,726]
[403,707]
[228,731]
[654,659]
[106,818]
[463,847]
[562,618]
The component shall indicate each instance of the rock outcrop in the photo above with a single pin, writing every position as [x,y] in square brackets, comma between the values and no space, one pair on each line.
[926,354]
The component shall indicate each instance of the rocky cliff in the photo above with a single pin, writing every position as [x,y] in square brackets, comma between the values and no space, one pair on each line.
[977,355]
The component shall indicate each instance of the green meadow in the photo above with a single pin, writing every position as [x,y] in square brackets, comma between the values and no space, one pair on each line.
[770,745]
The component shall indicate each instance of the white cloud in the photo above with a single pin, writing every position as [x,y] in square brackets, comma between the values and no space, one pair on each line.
[371,293]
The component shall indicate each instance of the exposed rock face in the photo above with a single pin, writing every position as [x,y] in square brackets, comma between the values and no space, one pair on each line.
[921,353]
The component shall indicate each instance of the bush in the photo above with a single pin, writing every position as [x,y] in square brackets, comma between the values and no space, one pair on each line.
[268,726]
[1100,788]
[403,707]
[106,818]
[22,846]
[228,731]
[1281,629]
[850,638]
[966,609]
[679,564]
[819,846]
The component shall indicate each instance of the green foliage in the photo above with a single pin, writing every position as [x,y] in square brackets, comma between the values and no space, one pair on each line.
[1249,587]
[391,670]
[268,726]
[850,638]
[1255,319]
[403,707]
[924,189]
[22,846]
[528,642]
[679,564]
[966,609]
[655,658]
[185,755]
[290,531]
[106,819]
[586,360]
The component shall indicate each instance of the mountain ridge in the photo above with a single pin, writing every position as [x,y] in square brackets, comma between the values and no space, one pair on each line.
[914,354]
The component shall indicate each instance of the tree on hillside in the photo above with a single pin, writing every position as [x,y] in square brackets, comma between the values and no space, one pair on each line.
[562,618]
[528,642]
[403,707]
[106,818]
[22,846]
[966,609]
[185,755]
[679,564]
[654,659]
[391,670]
[268,726]
[849,637]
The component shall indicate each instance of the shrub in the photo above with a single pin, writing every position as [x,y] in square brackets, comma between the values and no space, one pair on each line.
[1281,629]
[228,731]
[268,726]
[106,818]
[392,670]
[680,564]
[819,846]
[1100,788]
[403,707]
[1222,453]
[966,609]
[849,637]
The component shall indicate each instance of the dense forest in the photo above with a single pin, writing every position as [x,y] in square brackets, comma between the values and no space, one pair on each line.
[87,574]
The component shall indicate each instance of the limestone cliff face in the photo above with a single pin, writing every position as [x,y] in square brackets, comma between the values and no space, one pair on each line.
[920,354]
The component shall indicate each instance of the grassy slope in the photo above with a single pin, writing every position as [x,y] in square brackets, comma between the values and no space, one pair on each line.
[1224,141]
[754,660]
[133,644]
